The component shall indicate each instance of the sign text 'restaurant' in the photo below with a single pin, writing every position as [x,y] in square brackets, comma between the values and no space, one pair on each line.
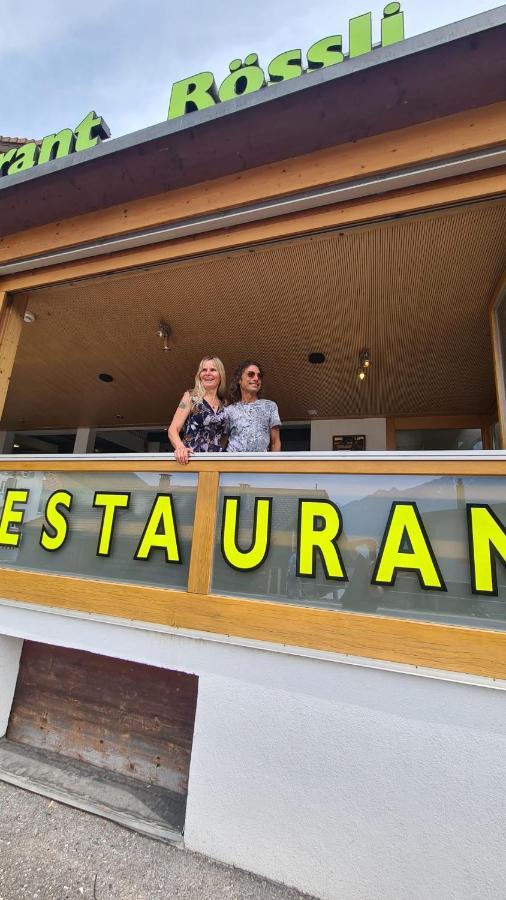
[405,545]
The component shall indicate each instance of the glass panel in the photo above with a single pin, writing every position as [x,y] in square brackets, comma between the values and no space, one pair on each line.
[295,438]
[439,439]
[142,440]
[78,554]
[41,442]
[365,503]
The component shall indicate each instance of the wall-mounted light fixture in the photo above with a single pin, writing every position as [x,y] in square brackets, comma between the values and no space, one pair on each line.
[364,361]
[164,332]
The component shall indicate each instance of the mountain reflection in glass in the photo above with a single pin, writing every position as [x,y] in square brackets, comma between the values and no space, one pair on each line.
[365,503]
[78,555]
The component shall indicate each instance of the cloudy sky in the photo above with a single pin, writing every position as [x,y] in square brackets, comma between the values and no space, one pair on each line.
[61,58]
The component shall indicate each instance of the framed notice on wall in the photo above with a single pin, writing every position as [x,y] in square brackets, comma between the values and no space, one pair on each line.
[348,442]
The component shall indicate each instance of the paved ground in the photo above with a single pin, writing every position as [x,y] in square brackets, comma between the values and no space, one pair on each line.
[52,851]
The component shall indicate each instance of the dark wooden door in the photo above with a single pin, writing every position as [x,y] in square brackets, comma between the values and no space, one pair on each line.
[132,719]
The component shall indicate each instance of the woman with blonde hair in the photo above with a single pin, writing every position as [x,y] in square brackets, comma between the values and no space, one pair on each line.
[199,424]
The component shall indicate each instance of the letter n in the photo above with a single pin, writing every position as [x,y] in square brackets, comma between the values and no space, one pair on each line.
[487,543]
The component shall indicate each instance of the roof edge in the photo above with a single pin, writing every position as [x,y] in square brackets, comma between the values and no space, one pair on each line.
[447,34]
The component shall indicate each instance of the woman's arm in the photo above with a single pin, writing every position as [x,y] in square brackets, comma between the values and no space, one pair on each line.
[180,416]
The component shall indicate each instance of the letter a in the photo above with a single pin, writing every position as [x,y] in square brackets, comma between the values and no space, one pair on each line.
[162,514]
[487,542]
[405,523]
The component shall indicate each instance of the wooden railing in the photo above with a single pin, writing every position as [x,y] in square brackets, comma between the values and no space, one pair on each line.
[474,643]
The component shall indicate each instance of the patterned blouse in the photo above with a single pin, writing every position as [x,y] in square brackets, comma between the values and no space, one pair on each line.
[205,427]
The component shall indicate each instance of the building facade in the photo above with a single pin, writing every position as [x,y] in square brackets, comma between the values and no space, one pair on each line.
[300,655]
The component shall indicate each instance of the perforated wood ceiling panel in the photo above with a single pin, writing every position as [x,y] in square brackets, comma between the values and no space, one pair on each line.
[414,292]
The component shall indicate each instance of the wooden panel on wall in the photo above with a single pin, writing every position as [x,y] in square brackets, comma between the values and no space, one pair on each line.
[128,718]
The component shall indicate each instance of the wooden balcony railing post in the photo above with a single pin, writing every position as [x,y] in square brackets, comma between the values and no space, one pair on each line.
[199,578]
[11,323]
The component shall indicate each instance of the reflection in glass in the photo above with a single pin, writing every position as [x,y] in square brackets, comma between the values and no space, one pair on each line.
[78,555]
[439,439]
[365,502]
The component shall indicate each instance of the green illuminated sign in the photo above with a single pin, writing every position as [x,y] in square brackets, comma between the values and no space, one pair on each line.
[87,134]
[200,91]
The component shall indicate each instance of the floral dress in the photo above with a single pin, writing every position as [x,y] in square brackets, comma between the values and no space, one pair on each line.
[205,427]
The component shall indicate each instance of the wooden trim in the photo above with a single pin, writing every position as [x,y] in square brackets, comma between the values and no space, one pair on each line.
[478,466]
[497,356]
[485,185]
[11,323]
[445,137]
[390,433]
[435,646]
[496,296]
[206,507]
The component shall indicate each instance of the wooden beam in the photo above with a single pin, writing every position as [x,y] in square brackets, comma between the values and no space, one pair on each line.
[445,647]
[485,185]
[449,136]
[476,466]
[390,435]
[11,323]
[206,507]
[498,339]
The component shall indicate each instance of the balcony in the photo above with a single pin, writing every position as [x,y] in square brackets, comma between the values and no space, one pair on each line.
[385,556]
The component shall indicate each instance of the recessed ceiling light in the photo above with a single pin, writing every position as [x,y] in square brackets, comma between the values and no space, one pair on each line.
[316,359]
[104,376]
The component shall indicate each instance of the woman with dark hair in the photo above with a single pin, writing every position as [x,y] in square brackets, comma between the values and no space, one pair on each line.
[253,423]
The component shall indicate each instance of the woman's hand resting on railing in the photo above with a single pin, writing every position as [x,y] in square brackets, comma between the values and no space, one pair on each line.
[182,454]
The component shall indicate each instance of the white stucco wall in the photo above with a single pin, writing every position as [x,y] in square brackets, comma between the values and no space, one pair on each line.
[375,430]
[10,651]
[348,782]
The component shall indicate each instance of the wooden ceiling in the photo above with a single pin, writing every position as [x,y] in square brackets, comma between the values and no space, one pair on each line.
[414,292]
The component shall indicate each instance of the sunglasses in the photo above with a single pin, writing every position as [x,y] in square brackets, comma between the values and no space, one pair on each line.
[253,375]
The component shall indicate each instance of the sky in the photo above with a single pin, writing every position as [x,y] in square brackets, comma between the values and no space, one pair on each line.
[59,59]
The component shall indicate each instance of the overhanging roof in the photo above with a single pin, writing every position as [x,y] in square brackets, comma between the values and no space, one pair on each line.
[451,69]
[414,292]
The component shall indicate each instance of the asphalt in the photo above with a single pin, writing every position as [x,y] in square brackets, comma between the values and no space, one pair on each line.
[48,850]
